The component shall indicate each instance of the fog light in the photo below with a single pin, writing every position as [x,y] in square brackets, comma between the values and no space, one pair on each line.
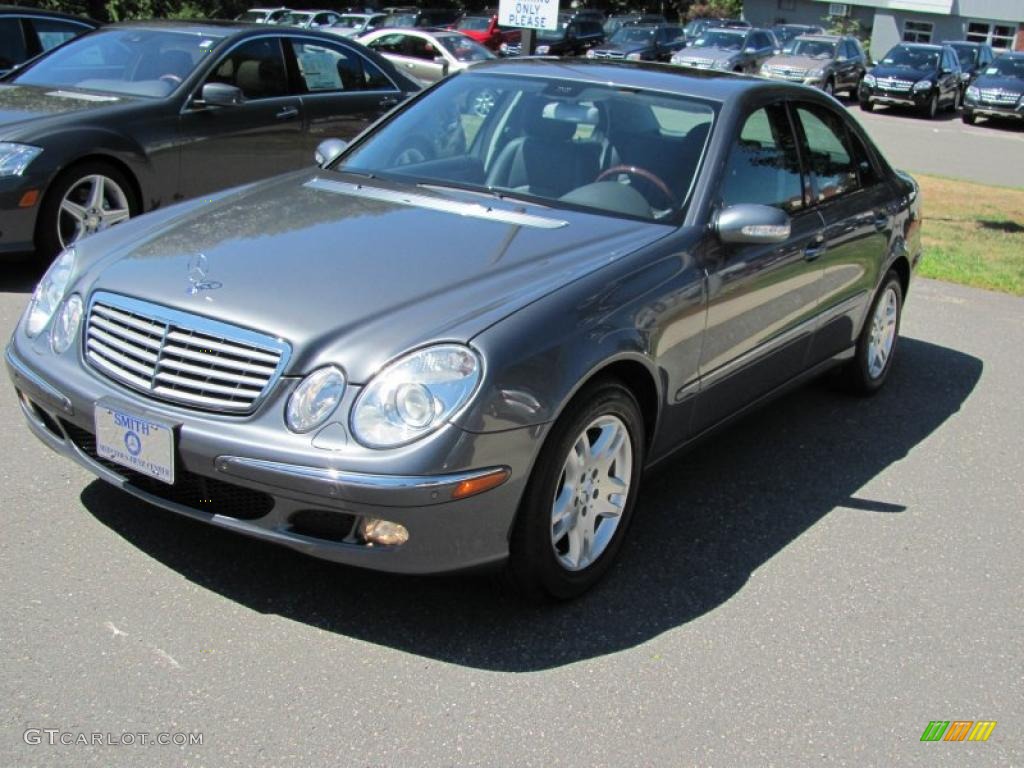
[382,532]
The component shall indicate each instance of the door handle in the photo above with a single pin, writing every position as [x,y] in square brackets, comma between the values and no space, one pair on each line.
[388,101]
[287,113]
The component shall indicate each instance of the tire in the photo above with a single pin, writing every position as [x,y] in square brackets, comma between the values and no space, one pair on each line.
[932,109]
[968,117]
[864,375]
[542,549]
[481,102]
[830,87]
[957,101]
[867,106]
[71,196]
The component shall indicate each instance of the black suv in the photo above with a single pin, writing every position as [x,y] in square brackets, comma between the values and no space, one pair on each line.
[27,32]
[573,37]
[925,77]
[998,91]
[641,42]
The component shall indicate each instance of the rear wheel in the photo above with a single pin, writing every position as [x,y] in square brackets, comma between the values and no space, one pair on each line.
[84,199]
[867,371]
[579,501]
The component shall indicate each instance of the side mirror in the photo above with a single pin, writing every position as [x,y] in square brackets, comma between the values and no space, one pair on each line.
[221,95]
[443,62]
[327,151]
[749,223]
[750,49]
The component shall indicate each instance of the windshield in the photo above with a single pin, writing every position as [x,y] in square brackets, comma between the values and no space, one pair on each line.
[816,49]
[464,49]
[139,62]
[1005,66]
[717,38]
[295,19]
[400,20]
[912,58]
[252,16]
[351,22]
[541,139]
[553,34]
[967,54]
[633,35]
[474,23]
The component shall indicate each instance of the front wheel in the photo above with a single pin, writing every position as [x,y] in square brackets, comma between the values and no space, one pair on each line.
[830,87]
[580,498]
[932,109]
[84,199]
[876,347]
[867,106]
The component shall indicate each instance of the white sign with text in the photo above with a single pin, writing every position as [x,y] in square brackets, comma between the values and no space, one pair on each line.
[532,14]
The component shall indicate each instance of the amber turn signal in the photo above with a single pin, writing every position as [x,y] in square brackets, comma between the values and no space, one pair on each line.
[476,485]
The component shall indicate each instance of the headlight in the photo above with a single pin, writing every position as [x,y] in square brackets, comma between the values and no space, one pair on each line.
[540,50]
[590,53]
[634,56]
[503,47]
[723,64]
[315,399]
[869,80]
[816,73]
[415,395]
[49,292]
[15,158]
[922,85]
[65,324]
[973,92]
[764,69]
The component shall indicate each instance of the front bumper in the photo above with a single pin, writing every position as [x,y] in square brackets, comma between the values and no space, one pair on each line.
[1008,111]
[814,82]
[911,98]
[230,475]
[17,223]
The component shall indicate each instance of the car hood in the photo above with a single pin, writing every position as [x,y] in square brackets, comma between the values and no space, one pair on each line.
[708,52]
[798,62]
[347,277]
[23,103]
[1008,84]
[903,73]
[625,48]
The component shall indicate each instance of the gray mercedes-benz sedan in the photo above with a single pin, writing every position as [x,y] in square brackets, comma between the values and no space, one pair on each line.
[439,352]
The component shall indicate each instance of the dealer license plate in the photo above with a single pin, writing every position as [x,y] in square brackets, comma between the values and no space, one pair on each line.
[135,442]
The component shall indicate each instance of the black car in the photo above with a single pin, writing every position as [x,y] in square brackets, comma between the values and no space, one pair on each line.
[134,116]
[787,34]
[974,57]
[925,77]
[641,42]
[613,23]
[998,91]
[574,36]
[27,32]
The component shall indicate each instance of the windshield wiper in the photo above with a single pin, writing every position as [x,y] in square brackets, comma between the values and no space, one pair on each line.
[498,193]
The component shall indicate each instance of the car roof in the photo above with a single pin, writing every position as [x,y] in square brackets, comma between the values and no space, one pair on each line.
[823,38]
[923,46]
[708,84]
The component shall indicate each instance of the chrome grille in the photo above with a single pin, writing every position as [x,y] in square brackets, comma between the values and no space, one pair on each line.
[609,55]
[179,357]
[894,84]
[997,96]
[699,63]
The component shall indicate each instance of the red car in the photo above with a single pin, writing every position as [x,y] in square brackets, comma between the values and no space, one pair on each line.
[485,30]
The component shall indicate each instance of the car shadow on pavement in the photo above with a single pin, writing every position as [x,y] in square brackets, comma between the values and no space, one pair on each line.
[21,275]
[704,523]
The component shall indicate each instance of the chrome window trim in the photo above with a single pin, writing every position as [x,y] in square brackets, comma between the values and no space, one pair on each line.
[192,321]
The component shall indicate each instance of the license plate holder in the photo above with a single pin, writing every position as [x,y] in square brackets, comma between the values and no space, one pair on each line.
[135,441]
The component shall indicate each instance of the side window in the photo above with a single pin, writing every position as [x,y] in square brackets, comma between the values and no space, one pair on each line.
[419,48]
[763,165]
[53,32]
[831,165]
[256,67]
[12,43]
[389,44]
[325,67]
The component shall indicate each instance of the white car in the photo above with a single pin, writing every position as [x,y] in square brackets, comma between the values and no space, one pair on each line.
[355,24]
[263,15]
[310,19]
[426,55]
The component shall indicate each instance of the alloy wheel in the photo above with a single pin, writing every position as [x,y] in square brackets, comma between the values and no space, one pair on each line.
[883,333]
[591,493]
[92,204]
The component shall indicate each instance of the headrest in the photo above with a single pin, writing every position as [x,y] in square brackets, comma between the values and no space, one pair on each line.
[248,77]
[627,116]
[540,126]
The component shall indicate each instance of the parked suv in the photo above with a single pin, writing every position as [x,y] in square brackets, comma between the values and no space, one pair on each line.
[731,50]
[829,62]
[574,36]
[641,42]
[998,91]
[925,77]
[27,32]
[974,57]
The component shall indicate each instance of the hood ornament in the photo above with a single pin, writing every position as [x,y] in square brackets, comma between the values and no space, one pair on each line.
[198,270]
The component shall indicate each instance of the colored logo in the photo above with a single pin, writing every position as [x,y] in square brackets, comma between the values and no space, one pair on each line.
[132,443]
[958,730]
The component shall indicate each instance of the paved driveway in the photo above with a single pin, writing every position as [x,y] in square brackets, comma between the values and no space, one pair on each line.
[988,153]
[812,586]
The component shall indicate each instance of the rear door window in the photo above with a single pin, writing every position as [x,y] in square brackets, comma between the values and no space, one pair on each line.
[324,67]
[12,43]
[831,164]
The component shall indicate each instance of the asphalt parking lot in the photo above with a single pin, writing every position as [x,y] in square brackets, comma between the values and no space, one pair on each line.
[990,152]
[812,586]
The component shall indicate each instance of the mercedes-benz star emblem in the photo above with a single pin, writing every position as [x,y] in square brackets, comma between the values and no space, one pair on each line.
[198,269]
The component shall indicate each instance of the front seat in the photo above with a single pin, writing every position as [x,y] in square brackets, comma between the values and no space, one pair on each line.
[545,161]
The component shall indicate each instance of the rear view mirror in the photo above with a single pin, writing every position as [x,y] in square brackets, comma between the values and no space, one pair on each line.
[327,151]
[749,223]
[221,95]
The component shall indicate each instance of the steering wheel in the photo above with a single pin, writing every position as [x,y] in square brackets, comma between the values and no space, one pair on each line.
[170,78]
[644,174]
